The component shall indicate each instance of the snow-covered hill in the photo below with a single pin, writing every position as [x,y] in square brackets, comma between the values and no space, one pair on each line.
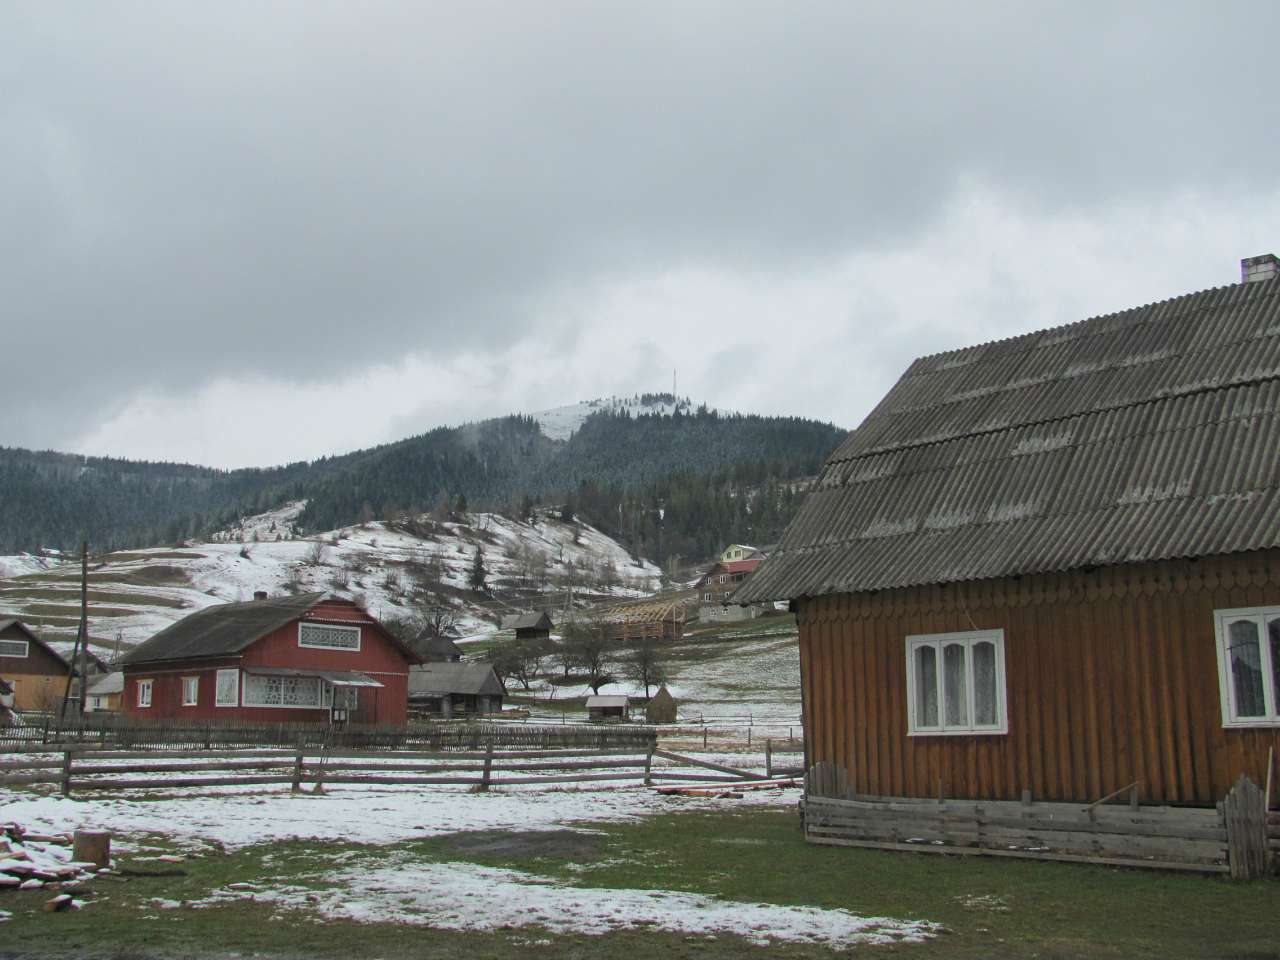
[395,570]
[560,423]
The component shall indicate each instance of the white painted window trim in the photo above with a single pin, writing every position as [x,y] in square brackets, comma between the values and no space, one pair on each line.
[26,649]
[145,691]
[330,626]
[217,686]
[1226,690]
[195,699]
[968,638]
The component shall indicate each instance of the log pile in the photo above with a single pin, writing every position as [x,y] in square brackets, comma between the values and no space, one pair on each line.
[51,863]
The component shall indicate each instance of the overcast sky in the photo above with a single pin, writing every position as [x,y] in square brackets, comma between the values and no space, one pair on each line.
[242,234]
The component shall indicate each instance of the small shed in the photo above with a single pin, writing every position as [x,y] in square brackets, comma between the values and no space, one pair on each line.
[455,689]
[535,625]
[661,708]
[106,692]
[610,707]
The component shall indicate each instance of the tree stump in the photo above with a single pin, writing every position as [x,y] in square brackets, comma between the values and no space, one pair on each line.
[92,846]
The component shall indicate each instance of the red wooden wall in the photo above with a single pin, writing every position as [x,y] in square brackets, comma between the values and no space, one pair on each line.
[1111,677]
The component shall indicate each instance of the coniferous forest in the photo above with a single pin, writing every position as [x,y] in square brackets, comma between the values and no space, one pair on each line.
[678,485]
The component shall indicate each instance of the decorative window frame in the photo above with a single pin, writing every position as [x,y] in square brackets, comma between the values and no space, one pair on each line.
[218,700]
[968,638]
[319,703]
[187,683]
[330,626]
[146,693]
[1270,695]
[24,644]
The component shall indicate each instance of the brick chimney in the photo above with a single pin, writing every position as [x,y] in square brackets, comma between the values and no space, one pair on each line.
[1265,267]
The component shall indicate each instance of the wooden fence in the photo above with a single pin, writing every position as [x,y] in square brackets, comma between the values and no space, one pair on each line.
[1234,838]
[80,770]
[109,730]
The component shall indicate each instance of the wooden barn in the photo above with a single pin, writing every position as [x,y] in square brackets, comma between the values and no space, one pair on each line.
[1048,569]
[534,625]
[657,619]
[292,658]
[608,707]
[453,689]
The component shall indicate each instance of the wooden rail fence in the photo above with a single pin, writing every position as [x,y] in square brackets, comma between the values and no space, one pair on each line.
[93,770]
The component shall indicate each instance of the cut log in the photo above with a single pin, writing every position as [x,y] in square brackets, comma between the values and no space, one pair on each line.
[61,902]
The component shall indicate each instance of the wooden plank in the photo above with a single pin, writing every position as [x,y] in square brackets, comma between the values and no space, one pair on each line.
[90,755]
[154,784]
[80,770]
[693,762]
[1024,855]
[30,764]
[20,779]
[400,781]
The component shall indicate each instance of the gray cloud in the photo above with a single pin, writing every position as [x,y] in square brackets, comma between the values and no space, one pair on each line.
[293,191]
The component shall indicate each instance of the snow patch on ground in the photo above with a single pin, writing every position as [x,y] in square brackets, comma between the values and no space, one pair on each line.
[463,896]
[376,816]
[561,423]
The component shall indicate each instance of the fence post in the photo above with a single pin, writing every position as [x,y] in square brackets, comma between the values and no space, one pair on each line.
[66,773]
[768,759]
[487,776]
[297,769]
[648,768]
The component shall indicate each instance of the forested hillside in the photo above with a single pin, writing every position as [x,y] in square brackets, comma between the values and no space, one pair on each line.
[680,484]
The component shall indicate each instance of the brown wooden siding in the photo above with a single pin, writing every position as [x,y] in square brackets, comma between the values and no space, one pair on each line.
[1111,677]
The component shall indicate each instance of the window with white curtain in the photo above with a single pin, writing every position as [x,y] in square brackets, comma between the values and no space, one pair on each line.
[326,636]
[1249,666]
[227,692]
[190,691]
[955,683]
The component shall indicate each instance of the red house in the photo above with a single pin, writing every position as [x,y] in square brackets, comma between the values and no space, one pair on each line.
[295,658]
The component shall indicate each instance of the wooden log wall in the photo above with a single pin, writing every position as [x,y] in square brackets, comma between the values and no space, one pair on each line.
[1111,678]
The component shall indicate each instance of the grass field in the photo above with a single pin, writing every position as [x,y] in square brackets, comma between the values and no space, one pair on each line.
[986,907]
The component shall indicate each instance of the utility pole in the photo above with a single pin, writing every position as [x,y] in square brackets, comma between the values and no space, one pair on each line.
[84,624]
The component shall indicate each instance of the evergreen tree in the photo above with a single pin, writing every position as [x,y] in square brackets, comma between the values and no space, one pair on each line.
[478,575]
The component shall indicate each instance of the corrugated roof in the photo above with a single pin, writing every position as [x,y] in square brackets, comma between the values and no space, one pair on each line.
[607,700]
[1143,435]
[109,683]
[433,679]
[225,629]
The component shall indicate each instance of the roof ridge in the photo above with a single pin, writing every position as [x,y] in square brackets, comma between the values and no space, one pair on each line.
[1101,316]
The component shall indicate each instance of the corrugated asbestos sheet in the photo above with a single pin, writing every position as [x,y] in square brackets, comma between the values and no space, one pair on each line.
[1143,435]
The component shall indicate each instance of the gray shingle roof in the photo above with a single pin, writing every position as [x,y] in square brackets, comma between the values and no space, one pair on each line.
[225,629]
[535,620]
[1142,435]
[466,678]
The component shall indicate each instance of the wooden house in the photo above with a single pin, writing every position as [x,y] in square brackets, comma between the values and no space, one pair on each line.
[608,707]
[437,648]
[718,584]
[105,693]
[450,689]
[284,659]
[1048,568]
[535,625]
[740,551]
[35,671]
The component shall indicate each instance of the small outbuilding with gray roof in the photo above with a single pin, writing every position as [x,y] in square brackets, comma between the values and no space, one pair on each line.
[451,689]
[292,658]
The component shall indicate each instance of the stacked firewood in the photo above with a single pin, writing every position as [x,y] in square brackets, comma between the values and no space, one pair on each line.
[56,863]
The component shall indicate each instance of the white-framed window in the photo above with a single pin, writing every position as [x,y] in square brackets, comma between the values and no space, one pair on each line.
[1249,666]
[956,684]
[724,577]
[227,689]
[190,691]
[14,648]
[326,636]
[708,596]
[260,691]
[144,692]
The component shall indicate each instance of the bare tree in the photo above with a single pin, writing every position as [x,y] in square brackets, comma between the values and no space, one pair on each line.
[588,645]
[642,664]
[317,554]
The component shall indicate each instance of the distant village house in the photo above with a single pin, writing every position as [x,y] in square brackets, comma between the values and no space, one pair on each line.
[451,689]
[277,659]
